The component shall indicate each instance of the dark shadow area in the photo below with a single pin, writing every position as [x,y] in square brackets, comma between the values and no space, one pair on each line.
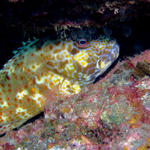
[30,120]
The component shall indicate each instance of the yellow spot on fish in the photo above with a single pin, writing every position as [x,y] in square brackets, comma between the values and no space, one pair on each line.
[21,94]
[84,63]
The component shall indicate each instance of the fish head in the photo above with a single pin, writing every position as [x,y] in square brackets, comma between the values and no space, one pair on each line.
[84,60]
[93,58]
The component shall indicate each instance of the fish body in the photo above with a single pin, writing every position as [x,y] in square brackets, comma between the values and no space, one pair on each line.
[31,74]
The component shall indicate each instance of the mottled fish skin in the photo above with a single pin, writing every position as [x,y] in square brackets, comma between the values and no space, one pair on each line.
[28,77]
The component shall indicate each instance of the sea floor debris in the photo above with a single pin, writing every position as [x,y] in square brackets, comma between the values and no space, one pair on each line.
[112,114]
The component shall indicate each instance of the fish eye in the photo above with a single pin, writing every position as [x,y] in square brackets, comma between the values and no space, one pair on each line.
[82,43]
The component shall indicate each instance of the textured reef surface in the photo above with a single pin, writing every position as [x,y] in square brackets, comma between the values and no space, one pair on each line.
[110,114]
[113,113]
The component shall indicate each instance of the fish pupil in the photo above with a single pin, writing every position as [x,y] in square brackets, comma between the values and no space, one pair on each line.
[82,42]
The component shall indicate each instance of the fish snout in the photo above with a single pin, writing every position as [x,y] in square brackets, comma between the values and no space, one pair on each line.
[108,58]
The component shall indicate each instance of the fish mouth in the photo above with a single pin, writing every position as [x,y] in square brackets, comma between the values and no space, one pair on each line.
[105,60]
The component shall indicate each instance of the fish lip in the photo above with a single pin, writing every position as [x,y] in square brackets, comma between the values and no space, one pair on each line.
[115,50]
[91,78]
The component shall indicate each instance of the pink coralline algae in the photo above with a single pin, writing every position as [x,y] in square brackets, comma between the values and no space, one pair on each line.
[112,114]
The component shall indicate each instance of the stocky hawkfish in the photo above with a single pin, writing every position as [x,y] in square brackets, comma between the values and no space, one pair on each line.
[28,77]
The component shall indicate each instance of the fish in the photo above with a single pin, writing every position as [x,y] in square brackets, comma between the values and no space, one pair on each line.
[27,78]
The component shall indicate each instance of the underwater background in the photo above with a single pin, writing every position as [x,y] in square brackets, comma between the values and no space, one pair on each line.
[111,114]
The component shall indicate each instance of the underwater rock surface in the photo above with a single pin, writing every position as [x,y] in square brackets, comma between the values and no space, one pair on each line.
[113,113]
[47,15]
